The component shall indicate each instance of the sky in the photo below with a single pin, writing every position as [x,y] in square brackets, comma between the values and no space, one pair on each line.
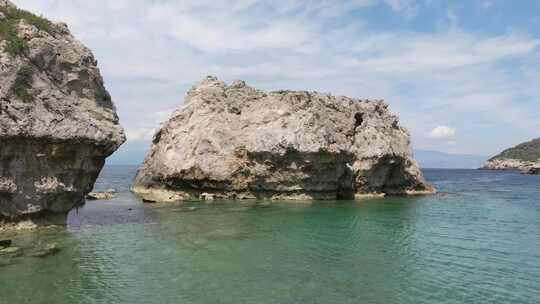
[463,76]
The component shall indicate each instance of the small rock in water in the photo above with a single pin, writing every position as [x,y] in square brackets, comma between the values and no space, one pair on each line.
[264,205]
[48,250]
[106,195]
[207,197]
[187,209]
[5,244]
[9,250]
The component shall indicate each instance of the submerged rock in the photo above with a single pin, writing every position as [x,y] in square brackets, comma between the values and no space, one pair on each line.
[524,157]
[186,209]
[9,250]
[241,143]
[57,120]
[47,250]
[5,243]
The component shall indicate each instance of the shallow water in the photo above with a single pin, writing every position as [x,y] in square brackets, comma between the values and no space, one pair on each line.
[478,241]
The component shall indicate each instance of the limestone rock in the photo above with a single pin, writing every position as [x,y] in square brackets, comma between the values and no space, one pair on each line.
[57,120]
[506,164]
[105,195]
[239,142]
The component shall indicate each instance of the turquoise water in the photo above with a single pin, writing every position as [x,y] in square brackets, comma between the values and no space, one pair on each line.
[478,241]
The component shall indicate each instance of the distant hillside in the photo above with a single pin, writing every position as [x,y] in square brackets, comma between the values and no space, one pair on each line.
[528,151]
[441,160]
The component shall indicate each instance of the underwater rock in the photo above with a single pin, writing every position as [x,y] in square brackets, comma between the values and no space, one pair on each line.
[5,243]
[47,250]
[9,250]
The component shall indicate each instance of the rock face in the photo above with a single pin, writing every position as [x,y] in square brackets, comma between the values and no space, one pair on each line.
[239,142]
[524,157]
[57,121]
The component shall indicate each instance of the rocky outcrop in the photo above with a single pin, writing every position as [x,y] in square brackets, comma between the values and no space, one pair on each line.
[101,196]
[57,120]
[237,142]
[524,157]
[506,164]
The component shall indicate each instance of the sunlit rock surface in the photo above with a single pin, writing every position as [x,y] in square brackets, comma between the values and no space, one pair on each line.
[57,120]
[237,142]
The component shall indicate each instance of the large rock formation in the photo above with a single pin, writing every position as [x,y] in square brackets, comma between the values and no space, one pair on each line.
[524,157]
[57,121]
[239,142]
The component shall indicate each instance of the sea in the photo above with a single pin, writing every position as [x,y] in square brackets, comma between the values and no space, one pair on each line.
[476,241]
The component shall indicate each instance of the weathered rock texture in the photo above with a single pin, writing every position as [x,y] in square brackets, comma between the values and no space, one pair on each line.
[238,142]
[57,121]
[524,157]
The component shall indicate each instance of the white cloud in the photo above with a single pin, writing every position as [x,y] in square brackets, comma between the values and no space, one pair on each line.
[141,134]
[443,132]
[413,52]
[151,52]
[409,8]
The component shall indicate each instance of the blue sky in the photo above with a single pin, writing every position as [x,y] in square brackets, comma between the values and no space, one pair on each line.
[462,75]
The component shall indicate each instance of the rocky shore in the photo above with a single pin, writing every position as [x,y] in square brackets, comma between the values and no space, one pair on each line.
[524,157]
[237,142]
[504,164]
[57,120]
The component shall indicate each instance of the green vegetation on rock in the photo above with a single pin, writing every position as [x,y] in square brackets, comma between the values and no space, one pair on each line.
[102,95]
[8,28]
[528,151]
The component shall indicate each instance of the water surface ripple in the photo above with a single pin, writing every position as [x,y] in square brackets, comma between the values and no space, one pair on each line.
[478,241]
